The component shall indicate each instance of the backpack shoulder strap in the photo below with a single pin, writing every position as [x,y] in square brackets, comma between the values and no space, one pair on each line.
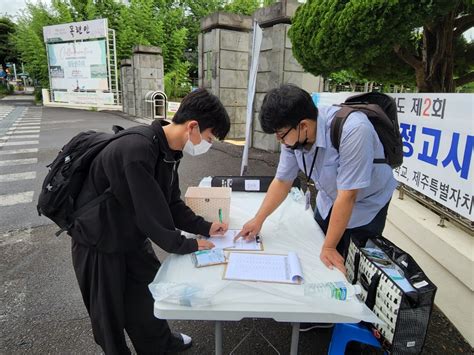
[341,117]
[338,123]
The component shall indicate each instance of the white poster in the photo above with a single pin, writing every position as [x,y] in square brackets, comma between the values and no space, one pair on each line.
[84,98]
[256,44]
[173,106]
[74,31]
[78,66]
[438,144]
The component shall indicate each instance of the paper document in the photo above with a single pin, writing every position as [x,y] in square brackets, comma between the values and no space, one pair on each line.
[401,281]
[227,241]
[208,257]
[264,267]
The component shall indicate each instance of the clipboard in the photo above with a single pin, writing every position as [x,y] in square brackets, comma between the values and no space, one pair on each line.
[258,242]
[227,243]
[263,267]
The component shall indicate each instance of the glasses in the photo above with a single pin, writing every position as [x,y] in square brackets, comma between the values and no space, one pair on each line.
[282,137]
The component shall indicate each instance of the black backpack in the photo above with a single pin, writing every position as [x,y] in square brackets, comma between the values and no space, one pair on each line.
[381,110]
[68,171]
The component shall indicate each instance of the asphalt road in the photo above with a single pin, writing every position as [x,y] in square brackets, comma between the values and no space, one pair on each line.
[41,310]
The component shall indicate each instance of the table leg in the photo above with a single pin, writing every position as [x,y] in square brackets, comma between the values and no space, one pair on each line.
[295,335]
[218,338]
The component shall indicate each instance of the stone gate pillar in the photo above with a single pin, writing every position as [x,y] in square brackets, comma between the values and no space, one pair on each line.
[128,93]
[224,45]
[277,65]
[147,66]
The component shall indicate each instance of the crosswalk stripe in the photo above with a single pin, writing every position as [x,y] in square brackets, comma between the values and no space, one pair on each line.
[24,128]
[17,136]
[19,176]
[14,162]
[18,151]
[24,124]
[5,144]
[16,131]
[15,199]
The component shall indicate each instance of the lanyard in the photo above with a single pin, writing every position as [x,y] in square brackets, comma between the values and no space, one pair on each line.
[308,176]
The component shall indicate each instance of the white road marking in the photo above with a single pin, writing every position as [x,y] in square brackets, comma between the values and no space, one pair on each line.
[19,136]
[14,162]
[23,129]
[19,176]
[6,144]
[18,151]
[19,131]
[15,199]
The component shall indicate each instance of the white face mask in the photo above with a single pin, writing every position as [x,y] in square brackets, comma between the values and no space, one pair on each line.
[197,149]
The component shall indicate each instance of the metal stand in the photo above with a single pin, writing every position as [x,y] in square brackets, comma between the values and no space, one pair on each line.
[295,334]
[295,337]
[254,330]
[218,337]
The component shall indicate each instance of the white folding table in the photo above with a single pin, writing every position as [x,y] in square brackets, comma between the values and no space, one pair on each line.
[289,228]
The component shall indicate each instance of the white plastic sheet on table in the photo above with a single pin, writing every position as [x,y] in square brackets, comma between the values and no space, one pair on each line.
[182,291]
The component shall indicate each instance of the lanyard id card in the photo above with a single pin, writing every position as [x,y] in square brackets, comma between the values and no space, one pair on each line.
[307,194]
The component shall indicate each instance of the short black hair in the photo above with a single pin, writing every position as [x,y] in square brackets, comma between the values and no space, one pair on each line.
[286,106]
[205,108]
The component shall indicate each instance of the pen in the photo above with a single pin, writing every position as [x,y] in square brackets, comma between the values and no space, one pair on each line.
[220,215]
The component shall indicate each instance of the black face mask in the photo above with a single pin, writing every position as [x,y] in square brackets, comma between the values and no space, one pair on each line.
[298,144]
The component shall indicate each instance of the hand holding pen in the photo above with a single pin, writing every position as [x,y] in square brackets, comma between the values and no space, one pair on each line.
[219,228]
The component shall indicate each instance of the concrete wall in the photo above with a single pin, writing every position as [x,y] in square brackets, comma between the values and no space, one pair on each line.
[444,254]
[224,63]
[277,65]
[139,75]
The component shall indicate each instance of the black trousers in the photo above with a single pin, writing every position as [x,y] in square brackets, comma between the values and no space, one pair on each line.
[360,234]
[115,291]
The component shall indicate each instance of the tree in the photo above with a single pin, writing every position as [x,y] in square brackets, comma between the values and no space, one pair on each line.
[387,41]
[177,82]
[28,40]
[6,48]
[243,7]
[153,23]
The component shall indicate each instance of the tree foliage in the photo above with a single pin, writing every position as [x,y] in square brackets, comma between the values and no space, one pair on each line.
[173,25]
[7,27]
[177,81]
[393,41]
